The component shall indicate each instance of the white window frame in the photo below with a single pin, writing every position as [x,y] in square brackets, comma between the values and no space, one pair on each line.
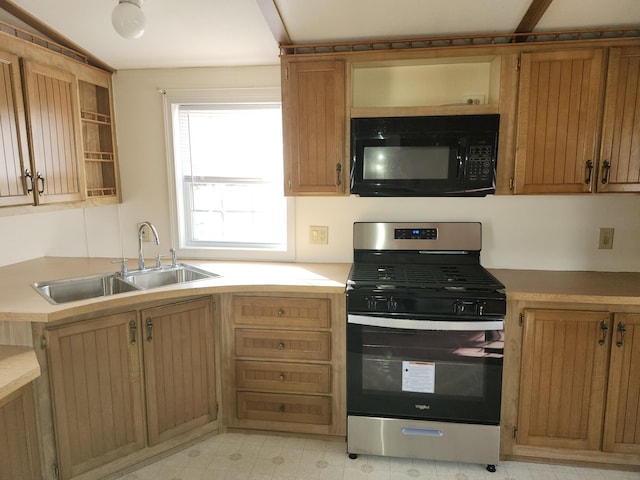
[172,99]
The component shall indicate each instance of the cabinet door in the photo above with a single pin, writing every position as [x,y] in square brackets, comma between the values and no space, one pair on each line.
[622,419]
[20,458]
[14,150]
[53,116]
[619,169]
[97,391]
[558,121]
[313,99]
[563,378]
[179,368]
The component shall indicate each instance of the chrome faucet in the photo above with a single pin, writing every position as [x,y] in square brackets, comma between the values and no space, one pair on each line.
[156,240]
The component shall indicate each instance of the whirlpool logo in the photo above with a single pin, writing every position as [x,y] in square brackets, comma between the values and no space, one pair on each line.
[420,406]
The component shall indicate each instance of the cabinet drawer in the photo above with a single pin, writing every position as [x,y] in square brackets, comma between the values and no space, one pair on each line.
[280,344]
[281,311]
[284,408]
[283,377]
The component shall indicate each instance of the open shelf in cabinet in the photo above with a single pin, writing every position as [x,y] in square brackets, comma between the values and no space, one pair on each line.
[97,134]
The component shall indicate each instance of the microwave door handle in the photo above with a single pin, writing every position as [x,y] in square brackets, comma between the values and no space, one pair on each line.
[460,163]
[408,324]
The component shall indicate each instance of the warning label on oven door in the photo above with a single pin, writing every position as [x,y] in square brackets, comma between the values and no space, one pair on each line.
[418,377]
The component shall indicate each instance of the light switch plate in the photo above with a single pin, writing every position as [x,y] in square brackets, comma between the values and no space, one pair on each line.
[318,235]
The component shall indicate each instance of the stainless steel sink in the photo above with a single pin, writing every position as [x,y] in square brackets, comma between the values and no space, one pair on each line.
[83,288]
[161,276]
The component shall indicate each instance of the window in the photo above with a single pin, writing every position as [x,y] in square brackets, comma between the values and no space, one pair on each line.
[227,174]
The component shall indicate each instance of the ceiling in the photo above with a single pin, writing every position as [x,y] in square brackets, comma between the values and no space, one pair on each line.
[196,33]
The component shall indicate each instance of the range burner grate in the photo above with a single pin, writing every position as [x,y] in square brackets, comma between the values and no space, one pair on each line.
[422,276]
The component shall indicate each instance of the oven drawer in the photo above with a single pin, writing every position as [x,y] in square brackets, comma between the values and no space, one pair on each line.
[284,408]
[283,377]
[281,344]
[281,311]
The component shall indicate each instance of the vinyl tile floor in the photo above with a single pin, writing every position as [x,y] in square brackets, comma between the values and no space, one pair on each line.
[239,456]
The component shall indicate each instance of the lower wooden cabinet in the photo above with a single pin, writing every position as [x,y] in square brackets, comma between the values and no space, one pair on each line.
[19,457]
[285,363]
[577,384]
[127,381]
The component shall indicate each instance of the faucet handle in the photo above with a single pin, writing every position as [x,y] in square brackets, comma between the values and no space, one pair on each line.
[123,265]
[158,257]
[174,257]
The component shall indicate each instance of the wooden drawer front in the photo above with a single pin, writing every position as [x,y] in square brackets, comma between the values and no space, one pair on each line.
[281,312]
[284,408]
[283,377]
[295,345]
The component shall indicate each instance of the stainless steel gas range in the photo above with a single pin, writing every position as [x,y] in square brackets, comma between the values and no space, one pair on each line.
[425,344]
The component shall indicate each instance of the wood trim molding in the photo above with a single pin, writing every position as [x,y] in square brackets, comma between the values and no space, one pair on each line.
[24,16]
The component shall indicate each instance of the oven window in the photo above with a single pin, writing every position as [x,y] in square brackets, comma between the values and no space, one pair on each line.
[406,163]
[441,363]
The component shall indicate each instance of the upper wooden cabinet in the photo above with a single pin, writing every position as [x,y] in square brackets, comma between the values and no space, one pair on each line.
[14,153]
[565,144]
[619,169]
[57,129]
[313,101]
[54,134]
[558,121]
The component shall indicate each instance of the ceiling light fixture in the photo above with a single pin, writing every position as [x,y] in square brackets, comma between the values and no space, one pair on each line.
[128,18]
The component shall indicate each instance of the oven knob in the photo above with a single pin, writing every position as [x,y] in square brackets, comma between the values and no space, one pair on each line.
[458,307]
[392,305]
[480,307]
[371,303]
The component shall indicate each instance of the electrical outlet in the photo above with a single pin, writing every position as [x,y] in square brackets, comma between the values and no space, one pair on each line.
[605,240]
[473,99]
[318,235]
[146,234]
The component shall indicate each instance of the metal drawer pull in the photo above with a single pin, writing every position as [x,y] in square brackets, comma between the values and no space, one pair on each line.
[133,327]
[621,330]
[281,377]
[422,432]
[40,179]
[149,324]
[280,312]
[605,329]
[281,346]
[28,175]
[338,174]
[281,408]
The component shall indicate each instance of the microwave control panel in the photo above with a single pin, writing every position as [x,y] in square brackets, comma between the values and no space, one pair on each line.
[480,163]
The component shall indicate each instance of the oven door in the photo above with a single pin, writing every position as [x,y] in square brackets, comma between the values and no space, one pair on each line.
[426,370]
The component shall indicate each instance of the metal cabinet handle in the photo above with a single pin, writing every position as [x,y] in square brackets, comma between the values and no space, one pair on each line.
[605,328]
[589,167]
[149,324]
[622,329]
[338,174]
[281,346]
[606,166]
[132,328]
[28,175]
[281,377]
[281,408]
[280,312]
[41,179]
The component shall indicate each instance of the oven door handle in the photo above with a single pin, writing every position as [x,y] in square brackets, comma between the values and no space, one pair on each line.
[407,324]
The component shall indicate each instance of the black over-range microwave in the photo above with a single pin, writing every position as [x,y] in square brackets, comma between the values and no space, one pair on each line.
[453,155]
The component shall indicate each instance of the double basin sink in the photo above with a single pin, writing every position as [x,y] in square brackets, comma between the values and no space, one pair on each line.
[85,288]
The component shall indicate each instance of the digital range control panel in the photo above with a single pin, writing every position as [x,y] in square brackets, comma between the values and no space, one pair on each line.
[416,233]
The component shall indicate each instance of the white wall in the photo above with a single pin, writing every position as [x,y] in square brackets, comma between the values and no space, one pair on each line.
[537,232]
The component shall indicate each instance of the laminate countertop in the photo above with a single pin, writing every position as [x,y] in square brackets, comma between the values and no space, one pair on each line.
[19,301]
[18,366]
